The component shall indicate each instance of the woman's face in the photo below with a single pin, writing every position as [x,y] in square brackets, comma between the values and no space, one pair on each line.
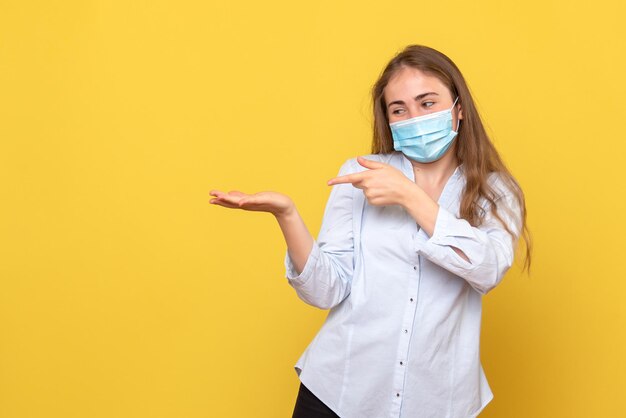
[411,93]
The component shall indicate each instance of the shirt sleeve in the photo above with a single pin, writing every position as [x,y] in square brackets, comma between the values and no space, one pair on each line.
[490,248]
[327,274]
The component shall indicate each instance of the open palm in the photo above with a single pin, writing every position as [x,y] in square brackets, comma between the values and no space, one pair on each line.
[272,202]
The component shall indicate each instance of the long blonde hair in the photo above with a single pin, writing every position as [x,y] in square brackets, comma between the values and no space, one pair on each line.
[474,149]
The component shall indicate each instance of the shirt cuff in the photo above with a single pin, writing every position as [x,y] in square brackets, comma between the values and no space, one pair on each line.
[291,272]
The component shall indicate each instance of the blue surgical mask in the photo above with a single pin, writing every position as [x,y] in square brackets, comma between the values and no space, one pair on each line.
[425,138]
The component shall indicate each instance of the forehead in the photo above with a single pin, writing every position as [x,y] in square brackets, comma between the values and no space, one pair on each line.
[409,82]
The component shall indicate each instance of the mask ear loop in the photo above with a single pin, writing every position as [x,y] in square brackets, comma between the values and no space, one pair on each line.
[458,121]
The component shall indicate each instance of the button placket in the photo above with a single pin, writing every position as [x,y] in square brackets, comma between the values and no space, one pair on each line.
[406,331]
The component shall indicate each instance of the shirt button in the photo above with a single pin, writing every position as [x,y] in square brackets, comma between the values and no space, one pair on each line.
[414,267]
[411,299]
[397,395]
[401,364]
[406,331]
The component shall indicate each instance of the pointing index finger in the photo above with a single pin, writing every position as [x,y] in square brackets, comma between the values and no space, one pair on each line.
[349,178]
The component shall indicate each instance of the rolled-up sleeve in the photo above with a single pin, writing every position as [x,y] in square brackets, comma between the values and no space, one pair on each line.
[490,248]
[327,274]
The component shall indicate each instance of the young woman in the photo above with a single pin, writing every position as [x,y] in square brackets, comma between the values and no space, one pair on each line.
[412,237]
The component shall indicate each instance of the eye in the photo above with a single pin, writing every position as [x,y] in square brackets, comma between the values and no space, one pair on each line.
[428,104]
[397,111]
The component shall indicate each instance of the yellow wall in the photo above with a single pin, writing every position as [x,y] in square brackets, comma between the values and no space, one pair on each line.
[124,294]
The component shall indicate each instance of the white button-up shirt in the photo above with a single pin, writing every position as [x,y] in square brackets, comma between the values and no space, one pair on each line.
[402,335]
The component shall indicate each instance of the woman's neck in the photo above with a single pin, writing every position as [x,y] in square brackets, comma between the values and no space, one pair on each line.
[437,173]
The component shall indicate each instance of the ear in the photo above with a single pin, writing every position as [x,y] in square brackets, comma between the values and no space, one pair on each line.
[460,114]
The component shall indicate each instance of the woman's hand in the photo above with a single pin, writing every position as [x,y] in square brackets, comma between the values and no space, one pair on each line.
[382,184]
[275,203]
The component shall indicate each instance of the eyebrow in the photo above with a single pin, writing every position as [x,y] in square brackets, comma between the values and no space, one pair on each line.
[416,98]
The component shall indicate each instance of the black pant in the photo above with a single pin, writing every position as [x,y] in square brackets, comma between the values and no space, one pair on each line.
[308,406]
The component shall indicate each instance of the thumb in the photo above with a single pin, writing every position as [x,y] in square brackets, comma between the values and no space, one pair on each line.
[369,163]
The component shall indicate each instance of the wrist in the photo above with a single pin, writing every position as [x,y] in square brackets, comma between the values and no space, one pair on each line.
[411,195]
[287,213]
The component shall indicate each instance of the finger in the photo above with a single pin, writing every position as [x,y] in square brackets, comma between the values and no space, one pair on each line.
[220,194]
[219,202]
[349,178]
[215,193]
[245,201]
[252,200]
[236,193]
[233,200]
[369,163]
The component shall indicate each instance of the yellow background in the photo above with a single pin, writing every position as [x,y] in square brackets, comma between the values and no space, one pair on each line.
[123,293]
